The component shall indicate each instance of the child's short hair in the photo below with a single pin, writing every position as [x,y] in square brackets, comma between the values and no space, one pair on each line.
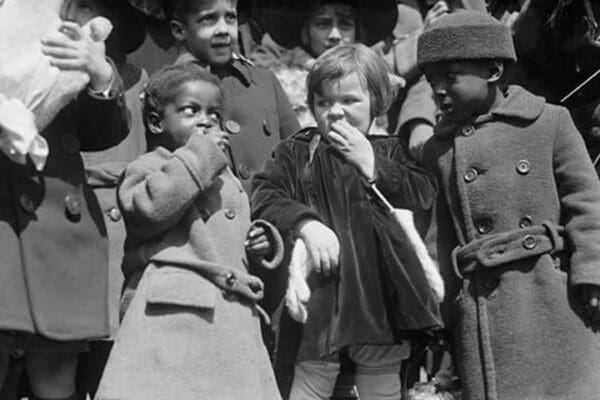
[343,60]
[163,86]
[178,9]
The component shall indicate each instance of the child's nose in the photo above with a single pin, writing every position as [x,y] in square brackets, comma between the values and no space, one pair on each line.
[336,112]
[335,34]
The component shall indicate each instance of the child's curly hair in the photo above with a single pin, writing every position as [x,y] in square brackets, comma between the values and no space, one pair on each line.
[163,86]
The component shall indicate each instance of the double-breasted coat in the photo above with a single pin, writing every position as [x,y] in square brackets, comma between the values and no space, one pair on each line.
[518,326]
[185,334]
[53,268]
[351,306]
[256,112]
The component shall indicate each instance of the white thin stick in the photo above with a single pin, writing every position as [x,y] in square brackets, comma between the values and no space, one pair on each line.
[582,84]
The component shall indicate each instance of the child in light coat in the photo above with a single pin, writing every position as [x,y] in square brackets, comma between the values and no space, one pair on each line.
[192,329]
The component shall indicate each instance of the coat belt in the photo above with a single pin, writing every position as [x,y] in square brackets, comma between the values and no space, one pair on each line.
[496,250]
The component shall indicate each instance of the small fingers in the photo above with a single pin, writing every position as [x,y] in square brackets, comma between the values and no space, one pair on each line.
[256,231]
[325,262]
[59,52]
[68,64]
[71,30]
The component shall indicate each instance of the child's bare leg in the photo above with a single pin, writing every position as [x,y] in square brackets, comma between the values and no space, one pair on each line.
[314,380]
[377,373]
[52,374]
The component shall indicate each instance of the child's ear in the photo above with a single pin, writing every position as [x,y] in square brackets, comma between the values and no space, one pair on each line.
[155,123]
[496,71]
[177,29]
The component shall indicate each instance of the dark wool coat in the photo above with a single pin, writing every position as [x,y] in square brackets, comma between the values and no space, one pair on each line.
[518,327]
[256,112]
[183,337]
[53,268]
[350,306]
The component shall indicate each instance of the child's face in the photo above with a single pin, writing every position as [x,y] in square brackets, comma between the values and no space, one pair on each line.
[461,89]
[81,11]
[329,25]
[196,109]
[343,99]
[209,31]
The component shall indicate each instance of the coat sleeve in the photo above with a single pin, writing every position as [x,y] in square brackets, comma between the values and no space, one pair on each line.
[102,121]
[403,183]
[288,123]
[274,198]
[159,187]
[579,192]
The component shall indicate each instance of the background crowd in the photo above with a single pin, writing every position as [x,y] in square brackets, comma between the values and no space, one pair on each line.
[58,323]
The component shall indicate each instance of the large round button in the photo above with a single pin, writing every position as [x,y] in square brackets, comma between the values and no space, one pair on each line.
[468,130]
[484,226]
[232,127]
[470,175]
[114,214]
[244,171]
[523,167]
[529,242]
[229,214]
[27,203]
[525,222]
[73,205]
[70,144]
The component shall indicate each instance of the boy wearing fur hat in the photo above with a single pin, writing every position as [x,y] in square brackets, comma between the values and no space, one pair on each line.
[518,222]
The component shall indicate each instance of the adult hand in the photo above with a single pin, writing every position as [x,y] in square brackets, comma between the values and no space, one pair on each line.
[72,49]
[439,9]
[354,146]
[322,246]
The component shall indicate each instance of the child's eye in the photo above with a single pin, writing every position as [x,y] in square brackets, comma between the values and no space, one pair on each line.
[215,116]
[230,17]
[188,111]
[208,19]
[450,76]
[346,24]
[349,101]
[322,103]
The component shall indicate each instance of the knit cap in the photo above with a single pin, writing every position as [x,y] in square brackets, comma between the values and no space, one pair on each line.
[464,36]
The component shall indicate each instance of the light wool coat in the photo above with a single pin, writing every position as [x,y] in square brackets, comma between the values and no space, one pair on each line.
[518,327]
[182,336]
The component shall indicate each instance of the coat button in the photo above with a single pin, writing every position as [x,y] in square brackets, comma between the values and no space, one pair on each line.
[232,127]
[266,128]
[484,226]
[70,144]
[471,175]
[523,167]
[27,203]
[244,171]
[468,130]
[114,214]
[525,222]
[73,205]
[529,242]
[229,214]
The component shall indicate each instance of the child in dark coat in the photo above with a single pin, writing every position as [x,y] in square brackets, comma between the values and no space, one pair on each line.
[256,111]
[518,221]
[192,329]
[317,187]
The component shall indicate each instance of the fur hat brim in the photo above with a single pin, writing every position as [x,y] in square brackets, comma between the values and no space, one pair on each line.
[284,20]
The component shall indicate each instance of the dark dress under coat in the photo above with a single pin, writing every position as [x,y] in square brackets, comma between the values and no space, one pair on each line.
[518,328]
[348,307]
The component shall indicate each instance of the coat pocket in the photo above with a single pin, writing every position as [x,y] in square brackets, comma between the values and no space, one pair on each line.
[174,286]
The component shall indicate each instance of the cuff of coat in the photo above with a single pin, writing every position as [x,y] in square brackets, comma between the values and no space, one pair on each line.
[585,275]
[277,252]
[203,159]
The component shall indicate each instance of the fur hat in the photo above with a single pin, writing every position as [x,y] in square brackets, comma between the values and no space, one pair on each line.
[285,19]
[463,36]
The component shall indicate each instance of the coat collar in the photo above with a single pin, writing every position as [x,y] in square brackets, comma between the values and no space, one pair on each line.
[240,66]
[517,103]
